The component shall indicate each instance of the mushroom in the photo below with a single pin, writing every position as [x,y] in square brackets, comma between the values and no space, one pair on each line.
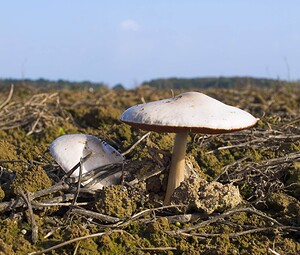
[67,150]
[188,112]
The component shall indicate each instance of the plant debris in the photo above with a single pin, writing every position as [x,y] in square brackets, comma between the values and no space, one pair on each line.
[241,197]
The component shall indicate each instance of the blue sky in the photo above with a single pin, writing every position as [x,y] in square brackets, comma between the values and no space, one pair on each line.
[133,41]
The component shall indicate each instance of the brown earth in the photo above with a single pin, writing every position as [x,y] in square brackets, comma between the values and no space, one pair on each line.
[242,195]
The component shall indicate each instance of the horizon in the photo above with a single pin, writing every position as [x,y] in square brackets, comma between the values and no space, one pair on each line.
[146,81]
[138,42]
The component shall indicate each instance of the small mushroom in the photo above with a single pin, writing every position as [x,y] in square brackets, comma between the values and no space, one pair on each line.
[188,112]
[67,150]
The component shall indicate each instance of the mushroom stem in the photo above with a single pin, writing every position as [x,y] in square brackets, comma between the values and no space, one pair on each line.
[177,169]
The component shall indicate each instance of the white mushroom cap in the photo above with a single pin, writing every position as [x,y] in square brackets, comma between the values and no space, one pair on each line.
[68,149]
[190,111]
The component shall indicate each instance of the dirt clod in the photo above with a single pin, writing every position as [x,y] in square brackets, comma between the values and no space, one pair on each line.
[115,201]
[207,197]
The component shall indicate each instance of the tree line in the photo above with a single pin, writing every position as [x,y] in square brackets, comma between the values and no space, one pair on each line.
[216,82]
[167,83]
[48,84]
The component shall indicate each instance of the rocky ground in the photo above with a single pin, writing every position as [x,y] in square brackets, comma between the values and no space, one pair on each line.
[241,195]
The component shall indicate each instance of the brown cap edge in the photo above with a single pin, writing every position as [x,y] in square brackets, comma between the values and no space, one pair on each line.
[172,129]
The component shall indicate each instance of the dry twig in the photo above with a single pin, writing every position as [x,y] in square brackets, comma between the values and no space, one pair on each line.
[34,227]
[75,240]
[9,97]
[216,218]
[95,215]
[135,144]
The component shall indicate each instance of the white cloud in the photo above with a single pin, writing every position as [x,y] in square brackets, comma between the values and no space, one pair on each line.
[129,25]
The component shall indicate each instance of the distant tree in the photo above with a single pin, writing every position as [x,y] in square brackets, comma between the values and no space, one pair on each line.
[118,87]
